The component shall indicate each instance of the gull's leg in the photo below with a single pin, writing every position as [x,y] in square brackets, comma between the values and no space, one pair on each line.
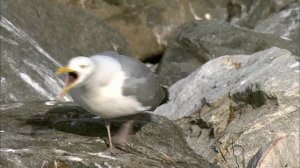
[112,149]
[107,124]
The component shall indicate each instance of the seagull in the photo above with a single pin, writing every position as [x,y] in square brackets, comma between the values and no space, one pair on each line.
[111,85]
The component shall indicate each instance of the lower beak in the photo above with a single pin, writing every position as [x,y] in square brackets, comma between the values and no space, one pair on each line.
[66,87]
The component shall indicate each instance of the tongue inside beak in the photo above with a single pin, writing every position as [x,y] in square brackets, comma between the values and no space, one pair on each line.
[70,83]
[72,77]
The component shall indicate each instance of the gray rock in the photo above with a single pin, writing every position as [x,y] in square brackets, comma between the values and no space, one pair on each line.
[282,151]
[40,134]
[62,31]
[219,76]
[176,64]
[27,70]
[247,13]
[148,23]
[240,102]
[285,23]
[200,41]
[37,37]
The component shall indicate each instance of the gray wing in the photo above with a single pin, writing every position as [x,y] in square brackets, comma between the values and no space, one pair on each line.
[141,82]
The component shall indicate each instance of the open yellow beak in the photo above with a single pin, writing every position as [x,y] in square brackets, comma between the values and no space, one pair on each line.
[66,87]
[63,70]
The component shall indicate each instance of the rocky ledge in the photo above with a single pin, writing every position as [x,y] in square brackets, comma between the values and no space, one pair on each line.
[39,134]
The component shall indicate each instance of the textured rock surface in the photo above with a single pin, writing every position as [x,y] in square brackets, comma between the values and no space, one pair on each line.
[200,41]
[285,23]
[44,135]
[147,23]
[282,151]
[35,40]
[247,13]
[62,31]
[239,102]
[273,69]
[26,68]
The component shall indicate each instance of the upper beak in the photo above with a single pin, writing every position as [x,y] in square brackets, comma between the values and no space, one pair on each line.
[63,70]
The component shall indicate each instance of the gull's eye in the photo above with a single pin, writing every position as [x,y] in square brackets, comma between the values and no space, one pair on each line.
[83,66]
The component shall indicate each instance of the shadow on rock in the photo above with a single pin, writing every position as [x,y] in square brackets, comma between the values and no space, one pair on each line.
[75,120]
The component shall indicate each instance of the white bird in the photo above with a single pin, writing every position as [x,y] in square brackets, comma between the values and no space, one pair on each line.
[111,85]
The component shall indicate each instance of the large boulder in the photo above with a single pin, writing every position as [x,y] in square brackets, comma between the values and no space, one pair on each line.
[285,23]
[62,31]
[197,42]
[233,105]
[37,37]
[41,134]
[148,23]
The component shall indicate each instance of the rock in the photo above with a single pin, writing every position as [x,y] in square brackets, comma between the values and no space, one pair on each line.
[282,151]
[176,64]
[37,37]
[247,13]
[219,76]
[239,101]
[285,23]
[45,134]
[147,24]
[62,31]
[26,68]
[197,42]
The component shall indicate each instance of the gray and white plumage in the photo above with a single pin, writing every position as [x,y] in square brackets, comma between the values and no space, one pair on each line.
[112,85]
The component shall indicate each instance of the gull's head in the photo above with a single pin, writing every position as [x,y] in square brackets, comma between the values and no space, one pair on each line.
[78,70]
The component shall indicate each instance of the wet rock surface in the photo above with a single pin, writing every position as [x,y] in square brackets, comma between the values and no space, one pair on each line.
[234,104]
[197,42]
[39,135]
